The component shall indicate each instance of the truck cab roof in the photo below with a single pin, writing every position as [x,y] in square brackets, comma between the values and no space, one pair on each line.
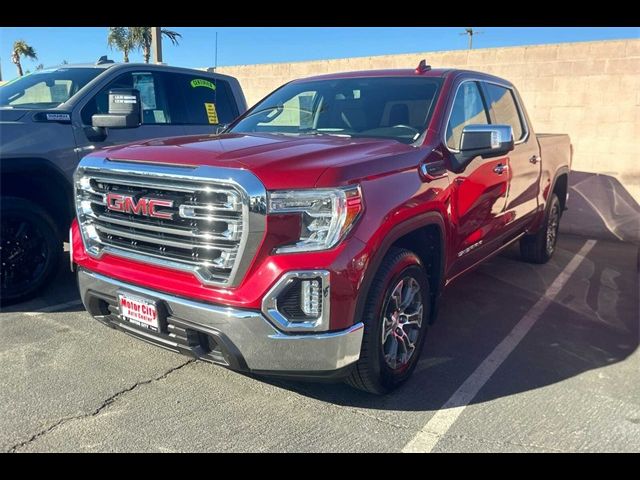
[406,72]
[121,65]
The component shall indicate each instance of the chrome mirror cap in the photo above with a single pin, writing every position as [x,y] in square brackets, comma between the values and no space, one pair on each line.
[486,137]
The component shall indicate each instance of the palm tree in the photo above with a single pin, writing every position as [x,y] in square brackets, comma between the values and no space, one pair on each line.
[21,49]
[142,39]
[121,39]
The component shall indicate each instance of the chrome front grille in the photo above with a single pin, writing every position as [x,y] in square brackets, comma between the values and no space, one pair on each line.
[206,220]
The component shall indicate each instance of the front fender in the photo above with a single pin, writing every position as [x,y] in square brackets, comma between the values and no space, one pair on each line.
[395,206]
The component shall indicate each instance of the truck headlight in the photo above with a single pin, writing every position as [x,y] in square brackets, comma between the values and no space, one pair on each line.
[327,215]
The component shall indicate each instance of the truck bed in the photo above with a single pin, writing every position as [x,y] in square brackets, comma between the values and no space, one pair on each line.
[555,150]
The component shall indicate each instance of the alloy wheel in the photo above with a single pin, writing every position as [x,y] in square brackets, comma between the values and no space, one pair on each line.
[552,229]
[402,321]
[23,253]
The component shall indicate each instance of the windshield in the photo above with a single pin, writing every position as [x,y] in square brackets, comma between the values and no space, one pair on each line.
[46,88]
[397,108]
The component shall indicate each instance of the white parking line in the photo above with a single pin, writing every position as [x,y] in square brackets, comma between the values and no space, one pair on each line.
[427,438]
[54,308]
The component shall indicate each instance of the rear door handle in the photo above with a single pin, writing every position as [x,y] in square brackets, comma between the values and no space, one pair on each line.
[500,168]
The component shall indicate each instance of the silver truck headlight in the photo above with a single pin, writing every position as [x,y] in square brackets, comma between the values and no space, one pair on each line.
[327,215]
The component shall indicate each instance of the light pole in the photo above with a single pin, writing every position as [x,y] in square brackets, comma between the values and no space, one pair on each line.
[156,42]
[470,32]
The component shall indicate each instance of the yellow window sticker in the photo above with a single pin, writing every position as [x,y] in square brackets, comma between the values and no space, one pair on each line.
[212,115]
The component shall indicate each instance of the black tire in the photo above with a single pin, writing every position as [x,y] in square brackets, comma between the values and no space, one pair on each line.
[540,246]
[372,373]
[30,249]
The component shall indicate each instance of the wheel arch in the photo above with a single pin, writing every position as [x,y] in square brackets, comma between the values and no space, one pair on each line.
[560,186]
[40,181]
[425,235]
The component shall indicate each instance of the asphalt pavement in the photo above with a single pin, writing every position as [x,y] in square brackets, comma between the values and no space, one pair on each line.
[532,358]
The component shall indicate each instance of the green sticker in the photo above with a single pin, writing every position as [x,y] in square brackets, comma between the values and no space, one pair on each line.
[200,82]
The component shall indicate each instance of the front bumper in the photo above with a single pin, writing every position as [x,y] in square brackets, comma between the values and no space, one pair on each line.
[239,339]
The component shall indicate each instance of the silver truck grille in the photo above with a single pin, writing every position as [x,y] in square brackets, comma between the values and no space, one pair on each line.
[171,216]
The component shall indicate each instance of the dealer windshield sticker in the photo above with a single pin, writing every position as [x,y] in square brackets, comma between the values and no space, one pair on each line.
[201,82]
[58,117]
[212,115]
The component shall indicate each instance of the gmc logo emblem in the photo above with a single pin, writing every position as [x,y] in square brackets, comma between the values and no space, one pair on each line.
[144,206]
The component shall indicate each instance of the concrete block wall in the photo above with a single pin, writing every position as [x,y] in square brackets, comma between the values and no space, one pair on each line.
[590,90]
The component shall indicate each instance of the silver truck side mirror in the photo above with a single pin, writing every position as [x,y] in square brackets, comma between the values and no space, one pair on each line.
[486,140]
[125,110]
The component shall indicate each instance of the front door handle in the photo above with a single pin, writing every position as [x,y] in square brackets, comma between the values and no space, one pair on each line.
[433,171]
[500,168]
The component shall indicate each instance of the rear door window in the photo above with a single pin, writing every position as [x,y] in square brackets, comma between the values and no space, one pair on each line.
[504,110]
[201,100]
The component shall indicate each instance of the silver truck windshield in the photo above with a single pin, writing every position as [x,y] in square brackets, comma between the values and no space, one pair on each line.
[397,108]
[46,88]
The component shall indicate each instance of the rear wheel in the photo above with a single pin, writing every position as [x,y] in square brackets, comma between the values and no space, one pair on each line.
[30,249]
[540,246]
[395,323]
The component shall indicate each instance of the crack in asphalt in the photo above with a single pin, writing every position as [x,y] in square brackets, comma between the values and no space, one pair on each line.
[474,438]
[379,419]
[358,411]
[109,401]
[400,426]
[455,436]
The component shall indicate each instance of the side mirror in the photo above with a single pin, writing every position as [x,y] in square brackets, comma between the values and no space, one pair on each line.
[124,110]
[486,140]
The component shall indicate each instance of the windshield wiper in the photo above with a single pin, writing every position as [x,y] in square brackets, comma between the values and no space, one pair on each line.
[265,109]
[320,131]
[276,107]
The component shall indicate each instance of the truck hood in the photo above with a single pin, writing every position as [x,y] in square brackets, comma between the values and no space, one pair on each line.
[22,137]
[13,114]
[279,161]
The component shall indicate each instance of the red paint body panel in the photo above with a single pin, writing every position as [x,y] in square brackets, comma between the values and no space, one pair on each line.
[471,205]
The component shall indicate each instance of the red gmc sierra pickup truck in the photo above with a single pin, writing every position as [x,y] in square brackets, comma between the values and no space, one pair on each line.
[314,237]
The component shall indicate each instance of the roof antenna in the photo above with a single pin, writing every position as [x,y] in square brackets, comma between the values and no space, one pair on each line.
[423,67]
[103,59]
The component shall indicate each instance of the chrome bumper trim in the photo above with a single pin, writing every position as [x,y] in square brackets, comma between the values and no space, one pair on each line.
[262,346]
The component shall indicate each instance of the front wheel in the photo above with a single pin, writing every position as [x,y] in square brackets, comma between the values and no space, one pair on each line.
[30,249]
[395,323]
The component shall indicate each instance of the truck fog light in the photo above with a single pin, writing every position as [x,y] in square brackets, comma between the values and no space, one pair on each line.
[300,301]
[310,298]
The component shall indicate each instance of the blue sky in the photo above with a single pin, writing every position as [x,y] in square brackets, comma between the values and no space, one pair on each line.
[242,45]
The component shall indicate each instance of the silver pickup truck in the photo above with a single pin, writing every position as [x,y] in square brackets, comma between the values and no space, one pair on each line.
[51,118]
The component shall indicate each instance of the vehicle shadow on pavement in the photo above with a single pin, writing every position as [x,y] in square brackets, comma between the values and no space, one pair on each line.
[60,294]
[592,323]
[601,207]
